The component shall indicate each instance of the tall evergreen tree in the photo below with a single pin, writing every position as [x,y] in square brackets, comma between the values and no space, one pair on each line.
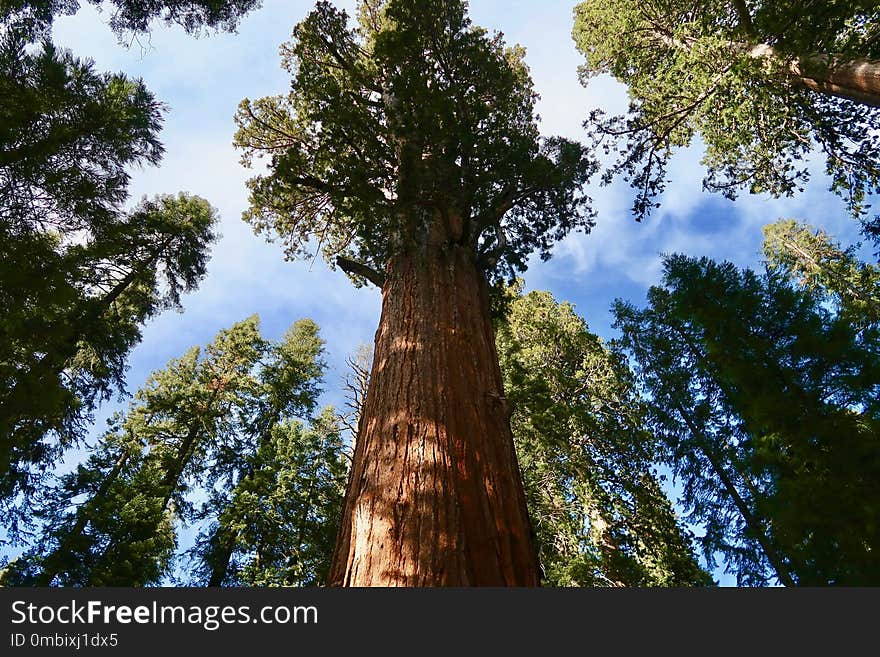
[764,84]
[67,336]
[586,454]
[408,148]
[767,404]
[136,484]
[78,273]
[277,489]
[817,262]
[278,525]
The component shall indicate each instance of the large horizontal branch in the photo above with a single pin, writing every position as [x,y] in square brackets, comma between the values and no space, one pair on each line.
[855,79]
[503,203]
[353,268]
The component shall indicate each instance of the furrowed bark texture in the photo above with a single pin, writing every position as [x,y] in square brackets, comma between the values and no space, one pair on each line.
[435,496]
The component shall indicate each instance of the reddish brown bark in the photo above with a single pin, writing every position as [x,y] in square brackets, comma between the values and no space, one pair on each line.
[435,496]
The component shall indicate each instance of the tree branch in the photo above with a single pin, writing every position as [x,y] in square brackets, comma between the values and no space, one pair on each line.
[490,258]
[745,19]
[353,268]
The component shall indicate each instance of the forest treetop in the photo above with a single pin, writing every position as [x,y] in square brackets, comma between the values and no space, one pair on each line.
[764,84]
[411,124]
[35,17]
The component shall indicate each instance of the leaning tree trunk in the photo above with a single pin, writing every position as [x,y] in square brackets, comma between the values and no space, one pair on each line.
[833,75]
[435,496]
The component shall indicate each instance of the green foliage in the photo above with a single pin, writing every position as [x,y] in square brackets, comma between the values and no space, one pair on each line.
[219,421]
[278,526]
[819,264]
[412,124]
[78,274]
[691,70]
[68,135]
[277,490]
[767,404]
[76,308]
[35,17]
[135,485]
[600,517]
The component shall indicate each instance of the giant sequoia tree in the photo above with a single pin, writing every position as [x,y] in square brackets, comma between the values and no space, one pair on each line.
[407,150]
[763,83]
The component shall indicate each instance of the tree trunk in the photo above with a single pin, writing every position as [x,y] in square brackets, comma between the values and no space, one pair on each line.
[223,548]
[854,79]
[435,496]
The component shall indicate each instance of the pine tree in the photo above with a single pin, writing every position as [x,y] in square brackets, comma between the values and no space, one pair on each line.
[276,491]
[764,85]
[67,336]
[136,484]
[817,262]
[767,404]
[279,523]
[78,273]
[408,148]
[600,515]
[35,17]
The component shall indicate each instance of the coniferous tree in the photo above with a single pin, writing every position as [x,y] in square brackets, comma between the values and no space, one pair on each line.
[586,454]
[223,421]
[67,336]
[136,484]
[277,489]
[79,274]
[278,525]
[764,84]
[408,147]
[767,404]
[816,261]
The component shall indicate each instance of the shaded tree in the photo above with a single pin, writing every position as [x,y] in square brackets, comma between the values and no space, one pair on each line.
[763,84]
[279,523]
[767,404]
[600,515]
[134,488]
[68,333]
[276,490]
[79,273]
[408,150]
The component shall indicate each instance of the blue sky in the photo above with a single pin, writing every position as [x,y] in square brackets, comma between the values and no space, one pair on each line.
[203,80]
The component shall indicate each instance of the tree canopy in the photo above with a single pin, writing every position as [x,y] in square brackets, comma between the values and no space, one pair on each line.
[764,85]
[412,117]
[35,17]
[213,437]
[80,272]
[766,402]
